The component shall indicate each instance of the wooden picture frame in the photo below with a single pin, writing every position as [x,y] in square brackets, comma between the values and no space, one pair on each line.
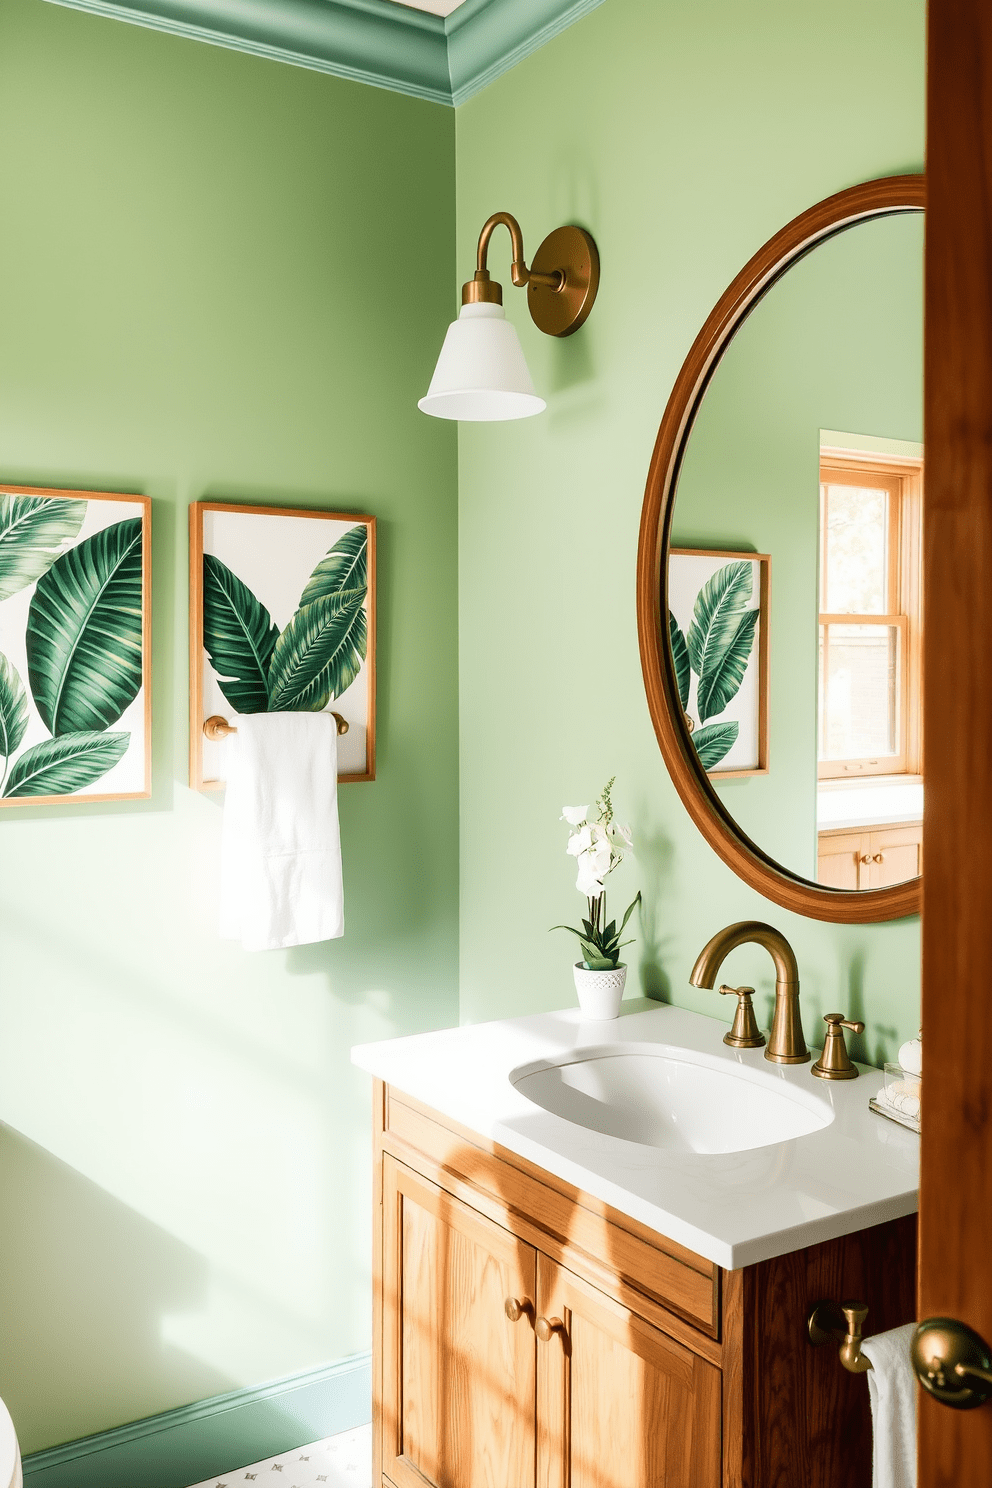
[887,196]
[750,702]
[258,561]
[75,646]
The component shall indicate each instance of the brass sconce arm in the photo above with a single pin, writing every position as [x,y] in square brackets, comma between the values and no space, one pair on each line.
[519,272]
[561,282]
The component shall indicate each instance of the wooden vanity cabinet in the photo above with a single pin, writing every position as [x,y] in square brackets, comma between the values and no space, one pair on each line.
[871,857]
[631,1363]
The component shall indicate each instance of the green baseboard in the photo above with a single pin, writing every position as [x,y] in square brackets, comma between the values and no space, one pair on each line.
[198,1441]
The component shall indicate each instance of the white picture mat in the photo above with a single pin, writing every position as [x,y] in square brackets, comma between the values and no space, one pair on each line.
[275,556]
[127,778]
[687,573]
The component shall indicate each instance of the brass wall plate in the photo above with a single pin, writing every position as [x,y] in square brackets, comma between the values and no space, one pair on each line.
[573,252]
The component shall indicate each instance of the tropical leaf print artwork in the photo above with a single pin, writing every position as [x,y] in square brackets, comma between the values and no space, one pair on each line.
[319,653]
[316,657]
[680,656]
[13,709]
[84,632]
[346,566]
[717,648]
[58,767]
[239,637]
[72,619]
[33,531]
[715,742]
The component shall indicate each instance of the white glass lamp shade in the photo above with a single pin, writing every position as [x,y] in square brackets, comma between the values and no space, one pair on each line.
[481,375]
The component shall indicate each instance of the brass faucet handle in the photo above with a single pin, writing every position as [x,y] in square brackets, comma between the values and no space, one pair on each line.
[835,1062]
[745,1033]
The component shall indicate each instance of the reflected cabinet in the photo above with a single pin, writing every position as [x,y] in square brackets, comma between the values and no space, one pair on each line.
[526,1336]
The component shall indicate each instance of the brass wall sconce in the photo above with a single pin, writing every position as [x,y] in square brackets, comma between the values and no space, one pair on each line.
[481,374]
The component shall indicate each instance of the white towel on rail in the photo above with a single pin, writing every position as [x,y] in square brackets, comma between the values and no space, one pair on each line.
[281,847]
[892,1388]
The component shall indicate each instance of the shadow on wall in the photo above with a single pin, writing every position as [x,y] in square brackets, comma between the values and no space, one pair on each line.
[84,1285]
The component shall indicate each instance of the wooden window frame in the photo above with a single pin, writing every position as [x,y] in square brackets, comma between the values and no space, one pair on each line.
[903,480]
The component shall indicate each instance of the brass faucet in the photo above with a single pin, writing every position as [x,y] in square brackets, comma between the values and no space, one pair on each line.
[786,1045]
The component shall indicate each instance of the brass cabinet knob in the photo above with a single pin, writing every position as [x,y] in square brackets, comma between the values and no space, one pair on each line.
[835,1062]
[515,1308]
[546,1328]
[745,1033]
[865,858]
[879,858]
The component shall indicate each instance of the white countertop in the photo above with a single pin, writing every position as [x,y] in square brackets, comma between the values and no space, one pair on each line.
[735,1208]
[868,803]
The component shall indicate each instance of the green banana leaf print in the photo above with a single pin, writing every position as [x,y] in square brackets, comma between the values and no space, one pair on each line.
[319,654]
[239,636]
[57,767]
[33,529]
[13,708]
[680,656]
[719,605]
[345,566]
[84,633]
[715,741]
[724,671]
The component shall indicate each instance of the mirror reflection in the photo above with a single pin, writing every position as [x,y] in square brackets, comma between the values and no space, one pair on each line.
[796,604]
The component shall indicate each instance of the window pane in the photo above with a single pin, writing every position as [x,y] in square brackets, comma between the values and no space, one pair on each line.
[859,670]
[855,550]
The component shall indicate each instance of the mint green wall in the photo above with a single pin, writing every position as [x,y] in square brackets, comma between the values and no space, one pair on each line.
[219,277]
[682,136]
[837,344]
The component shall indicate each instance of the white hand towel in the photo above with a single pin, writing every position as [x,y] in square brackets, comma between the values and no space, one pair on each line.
[280,847]
[892,1388]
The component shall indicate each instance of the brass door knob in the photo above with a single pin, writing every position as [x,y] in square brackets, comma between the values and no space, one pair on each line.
[952,1363]
[515,1308]
[546,1328]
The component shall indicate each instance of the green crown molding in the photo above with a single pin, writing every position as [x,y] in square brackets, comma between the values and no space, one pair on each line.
[213,1436]
[380,42]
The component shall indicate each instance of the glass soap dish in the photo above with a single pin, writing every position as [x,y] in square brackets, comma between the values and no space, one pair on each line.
[900,1097]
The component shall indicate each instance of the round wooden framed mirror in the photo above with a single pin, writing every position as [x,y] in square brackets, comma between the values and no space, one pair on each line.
[779,585]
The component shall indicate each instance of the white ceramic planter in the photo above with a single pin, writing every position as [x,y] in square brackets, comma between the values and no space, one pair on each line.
[600,992]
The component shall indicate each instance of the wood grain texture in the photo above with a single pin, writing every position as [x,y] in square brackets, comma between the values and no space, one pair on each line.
[459,1378]
[858,203]
[683,1282]
[956,1179]
[378,1126]
[619,1402]
[800,1417]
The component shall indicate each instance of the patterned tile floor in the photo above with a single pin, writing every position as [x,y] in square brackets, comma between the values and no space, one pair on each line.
[343,1461]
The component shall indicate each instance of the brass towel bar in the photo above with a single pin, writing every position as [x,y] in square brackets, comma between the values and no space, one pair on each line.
[217,728]
[840,1322]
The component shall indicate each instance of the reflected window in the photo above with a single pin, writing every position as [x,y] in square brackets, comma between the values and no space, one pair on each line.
[870,668]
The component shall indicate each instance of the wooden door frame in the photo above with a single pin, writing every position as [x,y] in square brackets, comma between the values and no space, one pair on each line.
[956,1183]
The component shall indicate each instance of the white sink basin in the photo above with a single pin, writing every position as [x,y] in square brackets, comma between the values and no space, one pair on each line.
[679,1099]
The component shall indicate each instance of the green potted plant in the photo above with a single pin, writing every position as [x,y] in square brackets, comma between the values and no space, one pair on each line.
[598,847]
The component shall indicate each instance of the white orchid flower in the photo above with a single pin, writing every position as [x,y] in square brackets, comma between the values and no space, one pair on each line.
[587,882]
[580,841]
[623,833]
[574,815]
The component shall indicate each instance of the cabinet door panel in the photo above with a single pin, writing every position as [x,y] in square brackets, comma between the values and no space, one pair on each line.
[459,1383]
[900,850]
[620,1405]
